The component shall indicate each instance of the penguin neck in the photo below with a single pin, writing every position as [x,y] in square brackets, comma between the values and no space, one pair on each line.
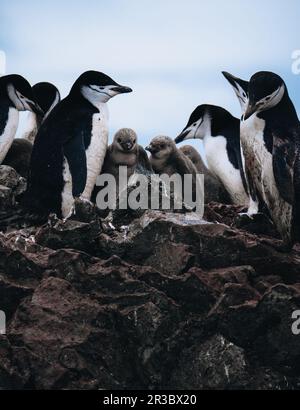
[282,115]
[76,98]
[31,128]
[8,131]
[56,100]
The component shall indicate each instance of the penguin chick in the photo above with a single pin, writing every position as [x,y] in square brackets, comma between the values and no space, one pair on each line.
[124,151]
[214,191]
[167,159]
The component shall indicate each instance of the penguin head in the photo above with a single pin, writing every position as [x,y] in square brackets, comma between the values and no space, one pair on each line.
[198,125]
[240,88]
[161,147]
[97,87]
[125,140]
[46,95]
[266,90]
[19,92]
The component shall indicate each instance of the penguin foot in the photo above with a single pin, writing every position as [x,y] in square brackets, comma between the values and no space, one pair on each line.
[245,216]
[70,214]
[85,200]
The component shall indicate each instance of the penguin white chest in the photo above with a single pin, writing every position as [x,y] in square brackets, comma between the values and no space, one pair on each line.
[9,132]
[258,159]
[96,151]
[219,164]
[259,163]
[95,154]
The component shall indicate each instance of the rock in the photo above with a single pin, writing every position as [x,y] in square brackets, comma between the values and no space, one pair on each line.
[11,179]
[146,300]
[188,290]
[214,246]
[71,234]
[171,258]
[104,335]
[275,343]
[218,364]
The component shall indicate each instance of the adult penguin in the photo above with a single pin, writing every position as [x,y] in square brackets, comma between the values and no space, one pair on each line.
[70,146]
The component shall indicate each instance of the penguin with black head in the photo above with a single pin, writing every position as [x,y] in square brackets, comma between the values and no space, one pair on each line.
[16,95]
[272,151]
[220,132]
[18,156]
[241,89]
[70,146]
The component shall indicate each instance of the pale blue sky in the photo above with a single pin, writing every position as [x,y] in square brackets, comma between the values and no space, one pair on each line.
[170,52]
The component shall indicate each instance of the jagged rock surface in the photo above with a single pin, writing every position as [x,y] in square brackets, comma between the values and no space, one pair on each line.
[166,301]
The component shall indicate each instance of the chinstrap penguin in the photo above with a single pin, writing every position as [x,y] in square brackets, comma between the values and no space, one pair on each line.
[18,157]
[220,132]
[70,146]
[240,88]
[124,151]
[213,189]
[47,97]
[15,95]
[272,151]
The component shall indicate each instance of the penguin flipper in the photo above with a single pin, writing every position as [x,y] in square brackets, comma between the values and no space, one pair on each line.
[143,159]
[238,153]
[74,151]
[283,169]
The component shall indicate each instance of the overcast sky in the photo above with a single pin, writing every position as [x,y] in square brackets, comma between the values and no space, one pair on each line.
[170,52]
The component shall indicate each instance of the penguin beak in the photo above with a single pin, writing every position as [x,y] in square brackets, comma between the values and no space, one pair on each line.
[121,89]
[127,146]
[181,136]
[35,108]
[230,78]
[251,109]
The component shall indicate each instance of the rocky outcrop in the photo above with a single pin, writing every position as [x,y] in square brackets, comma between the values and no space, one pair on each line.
[165,301]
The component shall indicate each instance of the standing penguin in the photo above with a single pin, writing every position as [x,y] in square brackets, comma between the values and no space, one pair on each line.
[220,132]
[18,157]
[271,150]
[15,95]
[241,88]
[70,146]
